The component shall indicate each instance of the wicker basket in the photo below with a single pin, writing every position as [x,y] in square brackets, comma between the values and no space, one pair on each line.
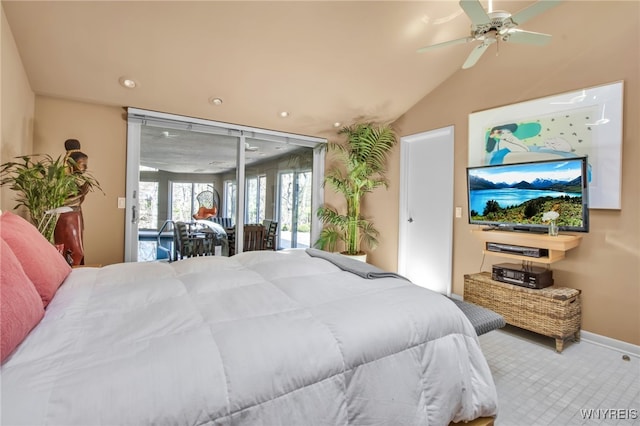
[551,311]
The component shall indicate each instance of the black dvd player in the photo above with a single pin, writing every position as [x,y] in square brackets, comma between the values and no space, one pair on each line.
[521,250]
[525,276]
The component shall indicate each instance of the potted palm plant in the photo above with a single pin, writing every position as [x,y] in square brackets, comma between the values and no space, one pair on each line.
[44,186]
[361,168]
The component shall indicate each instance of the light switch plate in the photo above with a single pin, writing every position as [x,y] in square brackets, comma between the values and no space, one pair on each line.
[122,202]
[458,212]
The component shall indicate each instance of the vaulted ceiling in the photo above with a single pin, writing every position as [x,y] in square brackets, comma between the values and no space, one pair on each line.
[321,61]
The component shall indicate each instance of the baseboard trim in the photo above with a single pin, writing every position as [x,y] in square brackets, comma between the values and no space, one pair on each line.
[608,342]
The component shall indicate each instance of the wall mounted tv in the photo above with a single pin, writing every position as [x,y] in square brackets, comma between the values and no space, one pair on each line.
[515,196]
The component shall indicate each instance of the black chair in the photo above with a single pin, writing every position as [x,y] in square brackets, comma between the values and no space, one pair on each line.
[186,244]
[215,235]
[271,228]
[225,222]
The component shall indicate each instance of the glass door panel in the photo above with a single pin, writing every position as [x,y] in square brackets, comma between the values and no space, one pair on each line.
[176,166]
[295,210]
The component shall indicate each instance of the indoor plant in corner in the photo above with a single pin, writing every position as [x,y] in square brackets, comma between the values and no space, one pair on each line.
[361,167]
[44,185]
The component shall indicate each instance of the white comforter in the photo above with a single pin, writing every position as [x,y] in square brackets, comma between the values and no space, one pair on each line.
[262,338]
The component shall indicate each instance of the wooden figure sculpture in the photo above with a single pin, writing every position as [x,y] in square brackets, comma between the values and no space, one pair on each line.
[70,226]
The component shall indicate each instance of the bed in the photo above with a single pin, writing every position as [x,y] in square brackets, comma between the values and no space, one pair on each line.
[260,338]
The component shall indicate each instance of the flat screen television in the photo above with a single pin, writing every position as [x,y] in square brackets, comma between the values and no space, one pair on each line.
[515,196]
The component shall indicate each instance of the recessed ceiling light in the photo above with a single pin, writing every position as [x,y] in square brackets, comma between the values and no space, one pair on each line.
[127,82]
[337,124]
[215,101]
[284,114]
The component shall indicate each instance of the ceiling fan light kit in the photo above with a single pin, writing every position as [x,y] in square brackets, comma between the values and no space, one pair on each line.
[497,26]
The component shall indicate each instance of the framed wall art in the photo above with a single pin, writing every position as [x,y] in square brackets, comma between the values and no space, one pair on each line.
[586,122]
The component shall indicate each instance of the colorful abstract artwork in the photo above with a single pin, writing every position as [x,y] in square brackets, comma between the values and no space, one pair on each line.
[576,124]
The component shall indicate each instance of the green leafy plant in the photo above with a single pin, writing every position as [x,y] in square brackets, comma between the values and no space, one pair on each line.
[362,165]
[44,184]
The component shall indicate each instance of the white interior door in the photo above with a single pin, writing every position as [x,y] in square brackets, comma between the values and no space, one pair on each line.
[426,209]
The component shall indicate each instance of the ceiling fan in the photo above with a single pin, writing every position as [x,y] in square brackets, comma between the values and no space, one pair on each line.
[249,148]
[167,135]
[495,26]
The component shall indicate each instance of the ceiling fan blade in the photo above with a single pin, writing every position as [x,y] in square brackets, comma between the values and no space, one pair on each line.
[535,9]
[446,43]
[529,37]
[475,12]
[475,55]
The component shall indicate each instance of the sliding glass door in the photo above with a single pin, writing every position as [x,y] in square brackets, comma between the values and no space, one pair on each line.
[174,159]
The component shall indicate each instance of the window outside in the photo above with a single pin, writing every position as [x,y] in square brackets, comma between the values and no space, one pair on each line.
[184,203]
[148,196]
[295,209]
[230,195]
[256,195]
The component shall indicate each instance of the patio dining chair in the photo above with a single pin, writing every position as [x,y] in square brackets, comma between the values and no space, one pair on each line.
[186,244]
[254,239]
[271,230]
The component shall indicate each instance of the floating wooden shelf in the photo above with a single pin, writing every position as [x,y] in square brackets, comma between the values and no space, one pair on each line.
[557,245]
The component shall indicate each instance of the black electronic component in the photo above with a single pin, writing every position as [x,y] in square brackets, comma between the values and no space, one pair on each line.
[526,276]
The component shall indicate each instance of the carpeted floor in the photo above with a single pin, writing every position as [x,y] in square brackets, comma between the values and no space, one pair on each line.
[586,384]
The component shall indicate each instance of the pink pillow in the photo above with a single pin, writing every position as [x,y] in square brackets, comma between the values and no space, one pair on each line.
[21,308]
[40,260]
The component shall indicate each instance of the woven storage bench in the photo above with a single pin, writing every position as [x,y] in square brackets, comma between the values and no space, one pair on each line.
[552,311]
